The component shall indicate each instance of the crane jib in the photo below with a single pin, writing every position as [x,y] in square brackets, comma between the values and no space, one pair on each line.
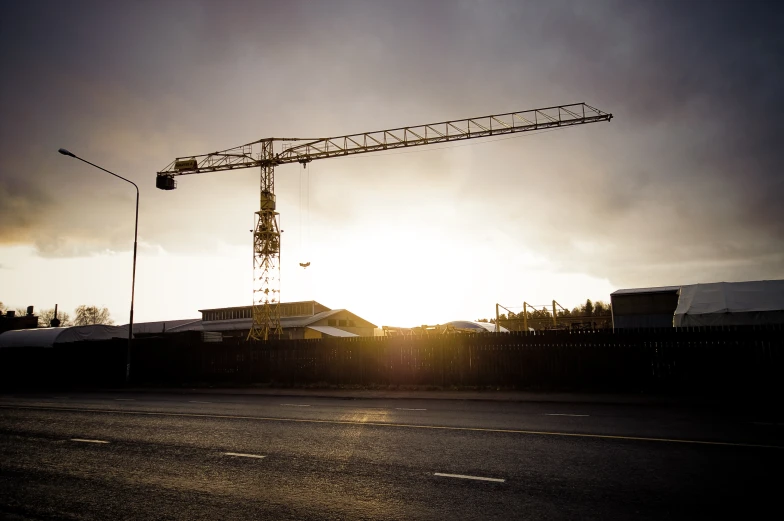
[306,150]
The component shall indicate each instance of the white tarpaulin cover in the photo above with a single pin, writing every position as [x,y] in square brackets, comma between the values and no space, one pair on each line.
[731,304]
[49,336]
[470,324]
[31,337]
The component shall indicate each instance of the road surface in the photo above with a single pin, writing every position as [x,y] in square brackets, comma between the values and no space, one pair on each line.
[122,455]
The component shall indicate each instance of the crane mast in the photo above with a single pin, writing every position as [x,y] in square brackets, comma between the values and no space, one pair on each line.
[261,154]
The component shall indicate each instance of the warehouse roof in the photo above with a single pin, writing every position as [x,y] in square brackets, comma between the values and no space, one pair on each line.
[167,326]
[660,289]
[332,331]
[282,304]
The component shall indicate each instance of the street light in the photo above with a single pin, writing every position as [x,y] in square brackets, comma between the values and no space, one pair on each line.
[133,278]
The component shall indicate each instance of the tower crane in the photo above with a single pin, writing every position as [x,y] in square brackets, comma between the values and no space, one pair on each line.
[261,154]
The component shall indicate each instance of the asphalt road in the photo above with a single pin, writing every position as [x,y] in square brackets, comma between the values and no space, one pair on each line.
[219,456]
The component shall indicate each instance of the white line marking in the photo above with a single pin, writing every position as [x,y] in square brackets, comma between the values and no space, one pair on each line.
[461,476]
[576,415]
[407,409]
[196,401]
[241,455]
[88,441]
[768,423]
[124,399]
[294,405]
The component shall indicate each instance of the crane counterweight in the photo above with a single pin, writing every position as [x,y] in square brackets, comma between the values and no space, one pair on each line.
[165,182]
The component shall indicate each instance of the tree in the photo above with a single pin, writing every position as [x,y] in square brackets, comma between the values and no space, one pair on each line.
[2,307]
[86,315]
[601,309]
[588,309]
[45,317]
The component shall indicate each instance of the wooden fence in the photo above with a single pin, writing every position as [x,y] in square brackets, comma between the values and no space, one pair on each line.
[733,359]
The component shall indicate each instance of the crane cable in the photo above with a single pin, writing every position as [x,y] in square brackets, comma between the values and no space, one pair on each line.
[304,208]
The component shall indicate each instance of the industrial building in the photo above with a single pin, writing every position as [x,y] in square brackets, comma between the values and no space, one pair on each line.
[306,319]
[644,307]
[10,321]
[751,303]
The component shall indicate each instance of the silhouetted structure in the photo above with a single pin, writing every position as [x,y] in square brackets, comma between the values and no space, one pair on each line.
[644,307]
[10,321]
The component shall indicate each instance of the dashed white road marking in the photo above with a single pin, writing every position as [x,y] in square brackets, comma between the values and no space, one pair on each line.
[768,423]
[294,405]
[196,401]
[563,414]
[124,400]
[477,478]
[241,455]
[82,440]
[408,409]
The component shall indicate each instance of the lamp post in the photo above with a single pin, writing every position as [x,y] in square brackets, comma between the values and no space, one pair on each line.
[133,277]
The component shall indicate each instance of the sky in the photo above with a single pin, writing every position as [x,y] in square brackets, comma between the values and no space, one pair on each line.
[683,186]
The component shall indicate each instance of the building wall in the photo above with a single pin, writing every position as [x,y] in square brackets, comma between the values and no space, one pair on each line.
[310,333]
[18,322]
[348,321]
[635,310]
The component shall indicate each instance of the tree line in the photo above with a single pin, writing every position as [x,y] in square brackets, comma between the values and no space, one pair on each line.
[83,315]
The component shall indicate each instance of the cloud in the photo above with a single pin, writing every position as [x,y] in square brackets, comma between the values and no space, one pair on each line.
[684,183]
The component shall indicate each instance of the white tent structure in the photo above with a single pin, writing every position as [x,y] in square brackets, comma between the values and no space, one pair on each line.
[479,326]
[731,304]
[49,336]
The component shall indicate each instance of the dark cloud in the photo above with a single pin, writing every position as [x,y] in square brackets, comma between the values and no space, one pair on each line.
[693,172]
